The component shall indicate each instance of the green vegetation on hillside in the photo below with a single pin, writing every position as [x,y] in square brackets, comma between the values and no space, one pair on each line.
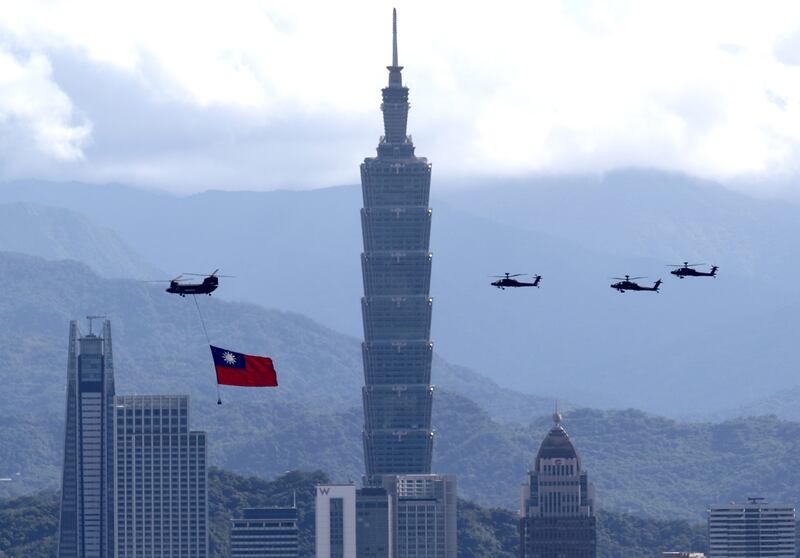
[28,526]
[229,494]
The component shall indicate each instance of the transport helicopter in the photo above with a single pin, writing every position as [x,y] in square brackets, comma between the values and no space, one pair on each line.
[508,280]
[207,286]
[628,284]
[687,270]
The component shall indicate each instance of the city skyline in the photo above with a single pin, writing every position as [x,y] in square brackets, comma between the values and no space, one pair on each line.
[135,476]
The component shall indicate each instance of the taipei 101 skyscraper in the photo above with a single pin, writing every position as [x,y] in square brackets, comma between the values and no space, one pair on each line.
[396,308]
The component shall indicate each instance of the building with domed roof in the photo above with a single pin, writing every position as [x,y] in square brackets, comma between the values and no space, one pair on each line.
[557,508]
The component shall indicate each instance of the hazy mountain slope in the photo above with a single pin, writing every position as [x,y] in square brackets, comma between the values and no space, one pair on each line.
[784,404]
[643,213]
[692,347]
[54,233]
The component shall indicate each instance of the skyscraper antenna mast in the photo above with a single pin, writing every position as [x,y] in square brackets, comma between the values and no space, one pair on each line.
[91,320]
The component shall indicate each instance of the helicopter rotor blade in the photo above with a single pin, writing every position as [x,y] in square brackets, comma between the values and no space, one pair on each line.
[208,275]
[686,264]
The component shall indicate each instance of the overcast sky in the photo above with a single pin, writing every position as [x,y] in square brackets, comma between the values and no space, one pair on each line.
[259,95]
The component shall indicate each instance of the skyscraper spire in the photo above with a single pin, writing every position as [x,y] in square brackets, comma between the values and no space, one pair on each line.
[394,37]
[395,77]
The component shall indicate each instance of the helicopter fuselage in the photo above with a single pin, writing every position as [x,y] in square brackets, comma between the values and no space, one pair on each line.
[513,283]
[207,287]
[689,272]
[623,286]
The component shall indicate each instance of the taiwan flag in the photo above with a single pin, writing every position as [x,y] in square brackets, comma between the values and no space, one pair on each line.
[238,369]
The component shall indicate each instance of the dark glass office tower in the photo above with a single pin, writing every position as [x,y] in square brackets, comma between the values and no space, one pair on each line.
[396,307]
[86,521]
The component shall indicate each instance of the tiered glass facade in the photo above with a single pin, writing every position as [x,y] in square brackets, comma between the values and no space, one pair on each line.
[396,307]
[86,519]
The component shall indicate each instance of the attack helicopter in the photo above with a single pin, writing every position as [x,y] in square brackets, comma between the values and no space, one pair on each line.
[628,284]
[508,281]
[207,286]
[687,270]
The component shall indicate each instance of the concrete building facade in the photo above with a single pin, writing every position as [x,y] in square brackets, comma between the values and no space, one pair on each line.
[265,533]
[335,518]
[756,529]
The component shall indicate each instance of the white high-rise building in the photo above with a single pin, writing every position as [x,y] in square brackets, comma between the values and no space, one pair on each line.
[756,529]
[336,521]
[161,484]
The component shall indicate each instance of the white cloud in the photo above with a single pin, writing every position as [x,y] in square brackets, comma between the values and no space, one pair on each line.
[33,107]
[708,88]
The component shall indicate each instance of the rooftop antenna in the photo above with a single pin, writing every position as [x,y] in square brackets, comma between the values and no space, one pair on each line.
[557,417]
[91,321]
[294,498]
